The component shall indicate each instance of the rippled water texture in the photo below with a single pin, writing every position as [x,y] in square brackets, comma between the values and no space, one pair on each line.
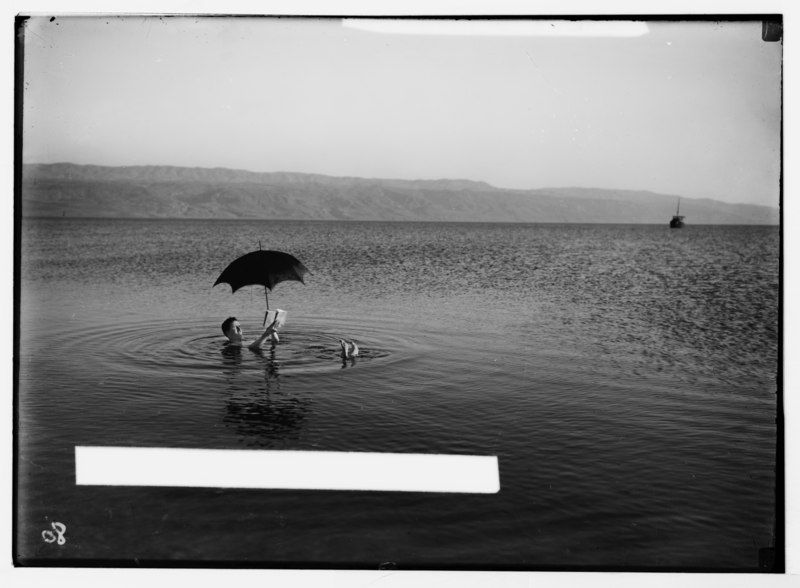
[625,376]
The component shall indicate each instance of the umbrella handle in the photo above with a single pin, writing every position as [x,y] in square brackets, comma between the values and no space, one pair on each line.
[266,313]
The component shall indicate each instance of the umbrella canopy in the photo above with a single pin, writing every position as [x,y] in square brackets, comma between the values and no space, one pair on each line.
[265,268]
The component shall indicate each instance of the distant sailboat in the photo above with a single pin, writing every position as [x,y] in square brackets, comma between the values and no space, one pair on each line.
[677,219]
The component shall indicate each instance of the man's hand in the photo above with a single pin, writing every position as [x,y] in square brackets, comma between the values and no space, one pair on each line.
[268,334]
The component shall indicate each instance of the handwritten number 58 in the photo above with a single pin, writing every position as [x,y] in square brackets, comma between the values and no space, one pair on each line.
[56,535]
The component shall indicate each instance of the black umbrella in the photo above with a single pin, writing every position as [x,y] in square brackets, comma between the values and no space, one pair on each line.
[265,268]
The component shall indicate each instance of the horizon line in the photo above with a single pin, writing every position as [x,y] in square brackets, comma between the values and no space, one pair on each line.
[328,220]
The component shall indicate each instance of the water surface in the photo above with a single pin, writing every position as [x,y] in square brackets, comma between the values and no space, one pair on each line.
[625,376]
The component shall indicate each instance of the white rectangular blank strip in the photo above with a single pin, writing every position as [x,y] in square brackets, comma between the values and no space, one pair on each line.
[301,470]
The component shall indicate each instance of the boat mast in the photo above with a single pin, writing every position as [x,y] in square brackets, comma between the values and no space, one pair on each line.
[679,208]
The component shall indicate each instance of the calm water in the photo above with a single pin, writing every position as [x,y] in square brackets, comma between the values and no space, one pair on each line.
[625,376]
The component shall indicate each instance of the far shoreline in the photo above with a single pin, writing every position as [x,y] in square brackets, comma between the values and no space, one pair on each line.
[386,221]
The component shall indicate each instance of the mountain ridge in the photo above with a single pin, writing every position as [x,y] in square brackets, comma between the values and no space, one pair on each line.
[66,189]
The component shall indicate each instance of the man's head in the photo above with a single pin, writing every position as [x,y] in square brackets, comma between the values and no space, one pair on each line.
[232,329]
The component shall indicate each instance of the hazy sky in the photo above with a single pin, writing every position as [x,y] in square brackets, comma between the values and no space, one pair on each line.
[686,108]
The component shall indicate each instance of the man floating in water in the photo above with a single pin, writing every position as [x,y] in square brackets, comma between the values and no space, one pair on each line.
[233,330]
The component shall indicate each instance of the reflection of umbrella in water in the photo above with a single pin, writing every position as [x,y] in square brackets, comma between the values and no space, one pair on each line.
[265,268]
[266,421]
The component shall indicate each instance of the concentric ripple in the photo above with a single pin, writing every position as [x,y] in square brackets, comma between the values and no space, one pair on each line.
[309,345]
